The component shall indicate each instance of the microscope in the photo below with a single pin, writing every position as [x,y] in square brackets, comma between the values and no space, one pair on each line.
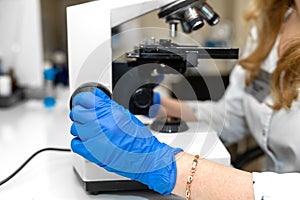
[130,77]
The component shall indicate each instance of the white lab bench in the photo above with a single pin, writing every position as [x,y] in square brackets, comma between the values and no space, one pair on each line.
[28,127]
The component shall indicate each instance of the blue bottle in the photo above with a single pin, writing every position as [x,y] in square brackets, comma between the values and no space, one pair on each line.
[49,98]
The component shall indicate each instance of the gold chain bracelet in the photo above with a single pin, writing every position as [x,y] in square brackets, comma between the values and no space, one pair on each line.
[190,178]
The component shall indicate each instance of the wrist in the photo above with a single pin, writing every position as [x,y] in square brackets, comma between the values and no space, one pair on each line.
[184,164]
[163,179]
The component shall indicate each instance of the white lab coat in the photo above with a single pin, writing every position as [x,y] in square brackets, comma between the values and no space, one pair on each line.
[239,113]
[273,186]
[277,132]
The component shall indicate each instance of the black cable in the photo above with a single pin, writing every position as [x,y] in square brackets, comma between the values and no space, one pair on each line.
[29,159]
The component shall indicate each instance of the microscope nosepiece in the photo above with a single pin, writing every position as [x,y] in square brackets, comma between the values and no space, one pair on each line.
[190,13]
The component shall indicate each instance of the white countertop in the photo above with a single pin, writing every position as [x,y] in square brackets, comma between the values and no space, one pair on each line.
[29,127]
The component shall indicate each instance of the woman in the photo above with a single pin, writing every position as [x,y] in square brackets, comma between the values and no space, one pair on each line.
[108,135]
[262,96]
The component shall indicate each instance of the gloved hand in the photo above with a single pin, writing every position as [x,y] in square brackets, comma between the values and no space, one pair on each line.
[110,136]
[155,107]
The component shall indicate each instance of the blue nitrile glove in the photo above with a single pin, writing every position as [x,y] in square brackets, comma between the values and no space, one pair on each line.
[155,107]
[156,98]
[110,136]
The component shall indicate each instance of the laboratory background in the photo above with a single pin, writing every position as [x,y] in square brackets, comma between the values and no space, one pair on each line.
[35,92]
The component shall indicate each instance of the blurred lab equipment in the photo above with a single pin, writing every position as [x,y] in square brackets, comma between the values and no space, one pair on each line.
[134,76]
[21,41]
[10,91]
[5,85]
[59,63]
[219,36]
[49,87]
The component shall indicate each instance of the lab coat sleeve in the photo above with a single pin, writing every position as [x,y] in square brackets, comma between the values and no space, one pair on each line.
[227,116]
[273,186]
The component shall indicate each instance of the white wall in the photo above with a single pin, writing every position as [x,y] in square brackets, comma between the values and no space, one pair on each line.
[21,40]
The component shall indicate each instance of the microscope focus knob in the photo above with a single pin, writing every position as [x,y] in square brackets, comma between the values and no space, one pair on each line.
[88,87]
[142,98]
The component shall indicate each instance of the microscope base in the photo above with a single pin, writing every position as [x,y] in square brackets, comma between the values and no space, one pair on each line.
[100,186]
